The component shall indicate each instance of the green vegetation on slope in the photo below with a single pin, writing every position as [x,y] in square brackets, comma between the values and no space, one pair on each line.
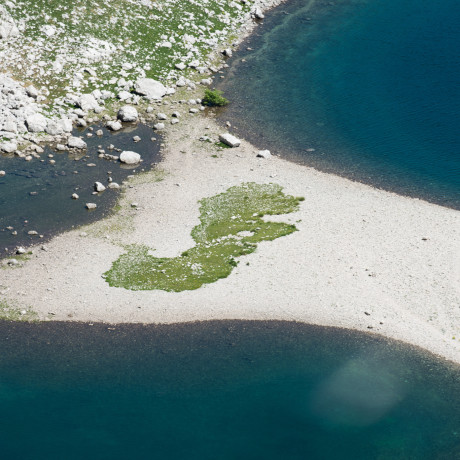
[231,226]
[68,45]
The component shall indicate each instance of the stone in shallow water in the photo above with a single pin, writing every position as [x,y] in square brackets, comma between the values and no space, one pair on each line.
[127,113]
[130,158]
[99,187]
[76,143]
[114,125]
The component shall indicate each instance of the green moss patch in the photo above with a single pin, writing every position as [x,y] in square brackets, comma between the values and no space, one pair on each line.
[231,226]
[11,313]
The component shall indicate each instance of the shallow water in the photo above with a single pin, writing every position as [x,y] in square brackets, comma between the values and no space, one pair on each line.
[368,89]
[226,390]
[36,195]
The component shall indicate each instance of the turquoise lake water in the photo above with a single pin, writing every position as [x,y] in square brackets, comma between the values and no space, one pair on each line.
[221,390]
[368,89]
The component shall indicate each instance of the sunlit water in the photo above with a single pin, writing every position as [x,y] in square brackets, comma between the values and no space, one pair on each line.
[221,390]
[368,89]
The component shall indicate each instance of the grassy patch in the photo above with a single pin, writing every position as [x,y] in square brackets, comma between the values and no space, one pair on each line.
[214,98]
[231,226]
[61,39]
[10,313]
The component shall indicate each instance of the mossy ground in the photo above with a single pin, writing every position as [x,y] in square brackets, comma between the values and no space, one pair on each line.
[231,226]
[12,313]
[141,38]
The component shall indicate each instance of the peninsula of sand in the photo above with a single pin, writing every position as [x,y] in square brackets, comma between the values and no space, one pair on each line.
[362,258]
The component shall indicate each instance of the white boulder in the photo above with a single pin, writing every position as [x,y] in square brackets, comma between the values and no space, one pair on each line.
[130,158]
[36,123]
[114,125]
[8,147]
[229,139]
[88,102]
[127,113]
[76,143]
[59,127]
[99,187]
[32,91]
[264,154]
[149,88]
[8,26]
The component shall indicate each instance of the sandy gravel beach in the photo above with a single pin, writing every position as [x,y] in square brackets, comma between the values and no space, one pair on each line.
[362,258]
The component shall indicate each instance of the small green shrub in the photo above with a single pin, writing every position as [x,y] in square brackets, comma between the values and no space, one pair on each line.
[214,98]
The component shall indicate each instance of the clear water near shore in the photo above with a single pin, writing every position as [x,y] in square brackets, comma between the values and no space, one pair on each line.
[367,89]
[226,390]
[36,195]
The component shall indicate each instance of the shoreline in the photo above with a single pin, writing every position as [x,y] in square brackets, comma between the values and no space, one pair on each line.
[359,259]
[363,258]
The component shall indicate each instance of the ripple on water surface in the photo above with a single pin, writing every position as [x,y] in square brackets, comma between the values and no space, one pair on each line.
[367,89]
[227,390]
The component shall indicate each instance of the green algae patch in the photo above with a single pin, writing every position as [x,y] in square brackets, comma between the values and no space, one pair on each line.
[231,226]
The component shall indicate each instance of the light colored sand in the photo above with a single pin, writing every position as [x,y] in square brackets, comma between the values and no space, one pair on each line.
[357,250]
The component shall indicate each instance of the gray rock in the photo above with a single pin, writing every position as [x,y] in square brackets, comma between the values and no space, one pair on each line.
[127,113]
[2,173]
[130,158]
[76,143]
[88,102]
[149,88]
[8,147]
[114,125]
[229,140]
[99,187]
[264,154]
[180,66]
[32,91]
[159,126]
[162,116]
[36,123]
[258,14]
[75,196]
[59,127]
[91,205]
[114,185]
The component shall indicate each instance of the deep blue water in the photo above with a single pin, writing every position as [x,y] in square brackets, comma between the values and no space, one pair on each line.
[373,86]
[221,390]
